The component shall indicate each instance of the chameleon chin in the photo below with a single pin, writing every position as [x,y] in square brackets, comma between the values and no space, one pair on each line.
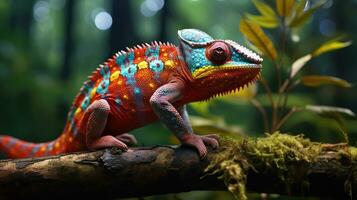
[143,84]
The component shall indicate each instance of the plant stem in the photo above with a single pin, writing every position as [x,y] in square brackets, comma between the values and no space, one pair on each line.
[267,89]
[287,116]
[263,112]
[272,102]
[277,108]
[287,90]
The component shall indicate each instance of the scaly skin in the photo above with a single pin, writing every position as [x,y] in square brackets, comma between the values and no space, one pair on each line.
[145,84]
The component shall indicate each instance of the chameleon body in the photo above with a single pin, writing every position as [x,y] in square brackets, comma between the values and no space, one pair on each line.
[143,84]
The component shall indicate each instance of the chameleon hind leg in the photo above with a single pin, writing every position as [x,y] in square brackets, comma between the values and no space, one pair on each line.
[98,113]
[127,138]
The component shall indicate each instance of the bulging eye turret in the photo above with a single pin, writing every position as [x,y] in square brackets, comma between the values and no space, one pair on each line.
[218,53]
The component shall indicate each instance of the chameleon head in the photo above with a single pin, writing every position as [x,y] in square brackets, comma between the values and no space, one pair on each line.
[218,65]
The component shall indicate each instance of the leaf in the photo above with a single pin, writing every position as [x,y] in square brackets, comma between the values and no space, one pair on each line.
[284,7]
[300,19]
[202,125]
[299,64]
[316,80]
[254,33]
[330,111]
[264,9]
[264,21]
[336,113]
[330,46]
[300,7]
[201,107]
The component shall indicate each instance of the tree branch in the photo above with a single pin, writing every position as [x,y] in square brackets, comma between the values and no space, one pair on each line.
[164,169]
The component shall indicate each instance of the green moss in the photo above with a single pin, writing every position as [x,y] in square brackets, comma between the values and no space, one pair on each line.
[232,167]
[353,152]
[286,156]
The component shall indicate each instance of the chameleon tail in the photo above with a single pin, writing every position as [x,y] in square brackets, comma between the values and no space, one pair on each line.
[16,148]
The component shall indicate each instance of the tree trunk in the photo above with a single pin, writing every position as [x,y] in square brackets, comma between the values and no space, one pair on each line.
[164,18]
[330,171]
[68,39]
[122,32]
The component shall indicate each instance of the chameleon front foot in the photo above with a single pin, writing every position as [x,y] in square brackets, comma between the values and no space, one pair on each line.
[200,142]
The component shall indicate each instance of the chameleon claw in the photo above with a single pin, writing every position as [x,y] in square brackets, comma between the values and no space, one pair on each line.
[200,142]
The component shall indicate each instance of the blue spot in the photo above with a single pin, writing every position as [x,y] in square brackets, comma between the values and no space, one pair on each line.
[120,59]
[71,113]
[163,92]
[136,91]
[85,103]
[153,52]
[103,86]
[138,99]
[74,131]
[129,71]
[35,149]
[131,57]
[11,142]
[104,71]
[118,101]
[87,87]
[50,146]
[156,65]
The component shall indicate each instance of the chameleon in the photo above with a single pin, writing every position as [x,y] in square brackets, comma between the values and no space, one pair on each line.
[143,84]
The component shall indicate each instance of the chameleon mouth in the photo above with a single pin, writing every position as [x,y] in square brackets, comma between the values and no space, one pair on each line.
[226,69]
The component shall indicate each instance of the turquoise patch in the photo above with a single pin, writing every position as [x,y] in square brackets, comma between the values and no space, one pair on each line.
[129,71]
[120,59]
[137,91]
[85,103]
[236,57]
[118,101]
[197,59]
[131,57]
[104,71]
[104,84]
[87,87]
[156,65]
[194,35]
[153,52]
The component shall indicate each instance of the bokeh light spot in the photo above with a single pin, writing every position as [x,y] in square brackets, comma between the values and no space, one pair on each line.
[149,8]
[103,20]
[41,10]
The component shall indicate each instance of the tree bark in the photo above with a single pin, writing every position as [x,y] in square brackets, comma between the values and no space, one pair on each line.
[165,169]
[68,39]
[122,33]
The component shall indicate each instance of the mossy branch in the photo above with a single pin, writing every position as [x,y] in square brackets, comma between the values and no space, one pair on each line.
[278,163]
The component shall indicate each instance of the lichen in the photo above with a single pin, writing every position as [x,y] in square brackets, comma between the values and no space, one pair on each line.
[285,155]
[231,166]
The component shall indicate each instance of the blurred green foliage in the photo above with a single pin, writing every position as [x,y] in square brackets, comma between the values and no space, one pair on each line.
[35,98]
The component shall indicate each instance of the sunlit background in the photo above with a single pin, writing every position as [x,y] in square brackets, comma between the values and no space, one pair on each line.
[49,47]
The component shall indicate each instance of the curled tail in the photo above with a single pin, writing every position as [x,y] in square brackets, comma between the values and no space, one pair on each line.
[16,148]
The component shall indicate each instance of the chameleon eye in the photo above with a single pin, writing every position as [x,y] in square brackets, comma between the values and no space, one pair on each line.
[218,53]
